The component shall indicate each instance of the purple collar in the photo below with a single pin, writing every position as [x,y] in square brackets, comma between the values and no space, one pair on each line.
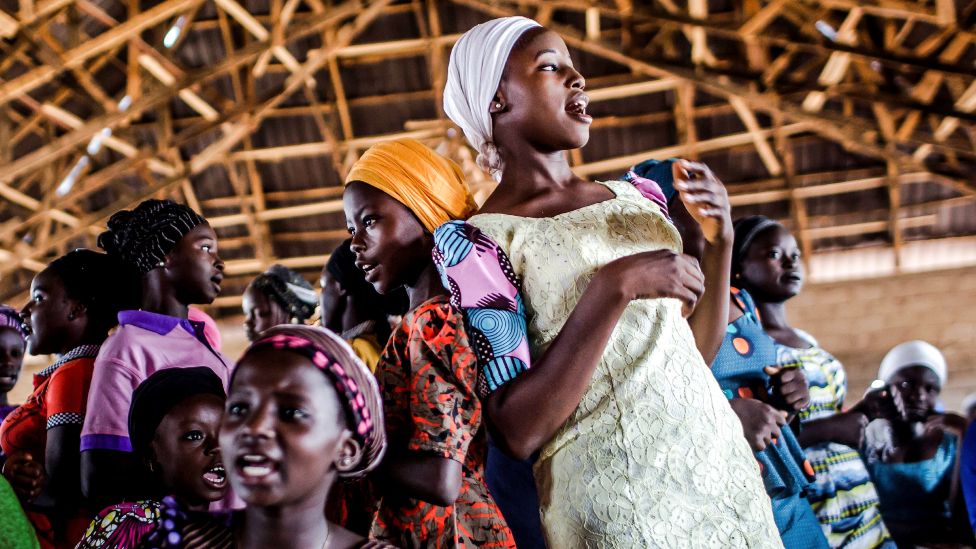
[160,324]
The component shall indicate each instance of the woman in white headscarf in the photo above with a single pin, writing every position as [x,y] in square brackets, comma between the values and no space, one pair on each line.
[575,294]
[917,479]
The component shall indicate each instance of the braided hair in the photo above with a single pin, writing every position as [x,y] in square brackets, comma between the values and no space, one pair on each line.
[143,236]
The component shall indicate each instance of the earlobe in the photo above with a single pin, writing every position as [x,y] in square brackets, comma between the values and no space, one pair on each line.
[498,103]
[76,311]
[350,456]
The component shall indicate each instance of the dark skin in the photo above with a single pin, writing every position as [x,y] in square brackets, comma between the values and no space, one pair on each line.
[11,359]
[533,126]
[56,323]
[394,250]
[761,422]
[918,430]
[185,454]
[771,271]
[191,273]
[261,312]
[285,439]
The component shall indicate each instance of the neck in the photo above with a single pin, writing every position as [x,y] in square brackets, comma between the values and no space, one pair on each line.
[908,430]
[427,286]
[3,399]
[157,298]
[353,315]
[773,315]
[292,527]
[85,339]
[528,170]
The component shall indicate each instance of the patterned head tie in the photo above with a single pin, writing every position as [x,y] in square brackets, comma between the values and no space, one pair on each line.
[352,380]
[143,236]
[288,289]
[10,318]
[746,230]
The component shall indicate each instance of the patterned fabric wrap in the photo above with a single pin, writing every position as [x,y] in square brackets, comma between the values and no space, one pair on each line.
[738,367]
[288,289]
[495,315]
[157,525]
[143,236]
[428,374]
[10,318]
[655,180]
[429,185]
[842,495]
[354,383]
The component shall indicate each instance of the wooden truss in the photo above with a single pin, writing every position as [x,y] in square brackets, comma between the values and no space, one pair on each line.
[98,111]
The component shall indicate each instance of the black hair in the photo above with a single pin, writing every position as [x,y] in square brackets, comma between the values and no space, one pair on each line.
[102,283]
[144,235]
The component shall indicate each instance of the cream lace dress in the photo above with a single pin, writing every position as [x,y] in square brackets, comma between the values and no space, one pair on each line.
[653,456]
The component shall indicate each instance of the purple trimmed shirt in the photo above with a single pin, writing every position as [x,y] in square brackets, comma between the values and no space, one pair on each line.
[143,344]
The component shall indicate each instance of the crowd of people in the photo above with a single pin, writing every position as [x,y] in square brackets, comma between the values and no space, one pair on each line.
[573,364]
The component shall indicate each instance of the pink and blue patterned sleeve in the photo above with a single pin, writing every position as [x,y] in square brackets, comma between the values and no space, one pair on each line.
[483,284]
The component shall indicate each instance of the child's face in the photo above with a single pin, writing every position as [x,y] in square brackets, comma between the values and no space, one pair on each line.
[194,268]
[390,244]
[186,453]
[283,430]
[11,358]
[46,315]
[260,313]
[543,95]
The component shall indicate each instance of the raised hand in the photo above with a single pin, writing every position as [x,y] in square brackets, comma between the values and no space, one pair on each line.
[705,198]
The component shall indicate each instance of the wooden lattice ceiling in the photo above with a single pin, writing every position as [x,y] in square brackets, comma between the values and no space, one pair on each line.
[854,121]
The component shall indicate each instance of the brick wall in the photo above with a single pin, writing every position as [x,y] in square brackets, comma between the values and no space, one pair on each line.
[860,320]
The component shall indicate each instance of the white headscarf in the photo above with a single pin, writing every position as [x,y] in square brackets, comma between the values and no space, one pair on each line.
[477,62]
[913,353]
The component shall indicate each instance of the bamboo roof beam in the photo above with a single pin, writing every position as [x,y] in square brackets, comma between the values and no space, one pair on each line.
[102,43]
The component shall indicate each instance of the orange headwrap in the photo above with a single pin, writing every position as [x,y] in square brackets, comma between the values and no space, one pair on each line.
[431,186]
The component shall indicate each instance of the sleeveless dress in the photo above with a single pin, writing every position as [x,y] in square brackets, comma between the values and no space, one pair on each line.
[842,496]
[653,456]
[739,368]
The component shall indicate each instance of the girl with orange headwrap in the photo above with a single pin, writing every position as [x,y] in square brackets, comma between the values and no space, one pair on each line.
[432,480]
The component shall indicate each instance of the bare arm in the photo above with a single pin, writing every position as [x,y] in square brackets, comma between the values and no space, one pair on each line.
[62,491]
[705,214]
[431,478]
[109,477]
[552,388]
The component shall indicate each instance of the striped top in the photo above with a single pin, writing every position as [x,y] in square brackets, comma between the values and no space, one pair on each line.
[842,496]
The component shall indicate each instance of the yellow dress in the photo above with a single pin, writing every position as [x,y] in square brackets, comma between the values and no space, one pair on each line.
[653,456]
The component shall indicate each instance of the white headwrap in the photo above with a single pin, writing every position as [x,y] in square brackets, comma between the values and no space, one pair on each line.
[477,62]
[913,353]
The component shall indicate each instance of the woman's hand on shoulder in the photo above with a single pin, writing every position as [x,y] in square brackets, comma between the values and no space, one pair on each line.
[657,274]
[705,198]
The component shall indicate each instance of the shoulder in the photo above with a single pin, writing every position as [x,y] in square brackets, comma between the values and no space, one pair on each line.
[434,314]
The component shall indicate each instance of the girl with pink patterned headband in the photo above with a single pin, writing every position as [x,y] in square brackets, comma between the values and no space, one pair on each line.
[302,410]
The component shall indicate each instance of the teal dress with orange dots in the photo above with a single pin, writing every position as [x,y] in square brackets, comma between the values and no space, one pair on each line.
[786,473]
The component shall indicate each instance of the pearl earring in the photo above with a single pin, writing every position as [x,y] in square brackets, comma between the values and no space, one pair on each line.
[498,105]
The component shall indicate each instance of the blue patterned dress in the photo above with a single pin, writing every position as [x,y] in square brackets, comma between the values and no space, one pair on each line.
[786,473]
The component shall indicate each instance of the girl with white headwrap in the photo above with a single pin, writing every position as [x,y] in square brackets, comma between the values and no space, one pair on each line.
[637,444]
[917,479]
